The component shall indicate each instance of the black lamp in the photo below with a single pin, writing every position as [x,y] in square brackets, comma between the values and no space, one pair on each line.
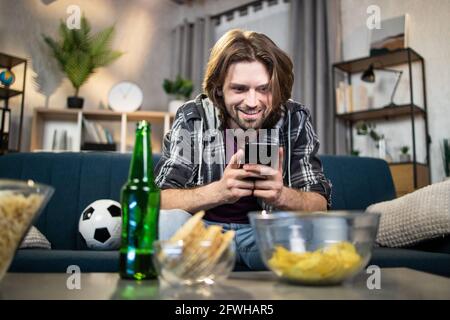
[369,76]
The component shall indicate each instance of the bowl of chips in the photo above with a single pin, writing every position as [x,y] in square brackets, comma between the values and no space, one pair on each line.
[195,254]
[20,203]
[323,248]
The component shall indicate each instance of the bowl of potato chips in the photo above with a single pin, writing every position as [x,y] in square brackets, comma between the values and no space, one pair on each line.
[195,254]
[323,248]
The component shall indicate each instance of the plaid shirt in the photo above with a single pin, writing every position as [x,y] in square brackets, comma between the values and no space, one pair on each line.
[206,162]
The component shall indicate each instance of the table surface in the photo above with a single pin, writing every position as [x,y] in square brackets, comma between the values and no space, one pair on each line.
[396,283]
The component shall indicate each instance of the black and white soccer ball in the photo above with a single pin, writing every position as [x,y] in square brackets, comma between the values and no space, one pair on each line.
[101,224]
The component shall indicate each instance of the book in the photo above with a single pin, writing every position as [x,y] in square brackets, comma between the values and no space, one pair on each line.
[100,133]
[91,134]
[348,98]
[54,141]
[109,136]
[340,106]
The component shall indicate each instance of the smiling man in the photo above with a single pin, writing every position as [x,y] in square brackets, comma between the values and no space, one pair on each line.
[247,87]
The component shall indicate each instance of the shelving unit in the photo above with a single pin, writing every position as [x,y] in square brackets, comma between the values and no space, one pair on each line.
[45,121]
[407,176]
[10,63]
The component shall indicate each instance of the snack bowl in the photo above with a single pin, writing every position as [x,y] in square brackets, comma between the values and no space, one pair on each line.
[315,248]
[203,262]
[21,202]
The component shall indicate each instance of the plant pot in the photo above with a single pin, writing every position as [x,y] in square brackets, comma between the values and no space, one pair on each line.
[174,105]
[75,102]
[405,157]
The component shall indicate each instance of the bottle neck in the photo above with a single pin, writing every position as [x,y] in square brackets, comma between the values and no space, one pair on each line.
[141,170]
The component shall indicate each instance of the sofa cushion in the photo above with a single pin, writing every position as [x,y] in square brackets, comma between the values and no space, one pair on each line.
[421,215]
[35,239]
[437,263]
[357,182]
[40,260]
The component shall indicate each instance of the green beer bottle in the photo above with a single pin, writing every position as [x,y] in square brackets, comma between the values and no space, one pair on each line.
[140,200]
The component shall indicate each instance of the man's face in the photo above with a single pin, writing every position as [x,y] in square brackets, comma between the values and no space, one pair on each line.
[247,95]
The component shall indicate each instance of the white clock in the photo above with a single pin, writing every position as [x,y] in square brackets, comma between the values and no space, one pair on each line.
[125,96]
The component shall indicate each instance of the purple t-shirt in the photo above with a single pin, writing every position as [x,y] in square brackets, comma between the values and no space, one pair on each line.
[234,212]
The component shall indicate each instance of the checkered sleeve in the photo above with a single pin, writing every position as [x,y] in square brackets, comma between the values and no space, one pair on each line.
[306,168]
[176,168]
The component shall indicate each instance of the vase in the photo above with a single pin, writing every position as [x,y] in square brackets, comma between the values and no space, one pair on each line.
[405,157]
[75,102]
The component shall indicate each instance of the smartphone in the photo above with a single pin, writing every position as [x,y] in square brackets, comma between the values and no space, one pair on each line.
[265,153]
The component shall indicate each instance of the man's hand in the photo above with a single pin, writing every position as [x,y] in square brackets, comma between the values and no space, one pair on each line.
[269,189]
[234,183]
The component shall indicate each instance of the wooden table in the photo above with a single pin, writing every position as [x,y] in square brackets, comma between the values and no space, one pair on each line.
[396,283]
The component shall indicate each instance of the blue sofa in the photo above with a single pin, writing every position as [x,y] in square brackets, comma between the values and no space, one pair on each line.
[81,178]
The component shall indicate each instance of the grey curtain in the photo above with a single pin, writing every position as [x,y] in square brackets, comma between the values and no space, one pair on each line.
[315,32]
[191,43]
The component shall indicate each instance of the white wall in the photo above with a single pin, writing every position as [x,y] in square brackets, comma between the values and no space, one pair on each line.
[429,35]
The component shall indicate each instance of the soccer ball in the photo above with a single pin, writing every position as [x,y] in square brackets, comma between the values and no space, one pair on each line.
[100,225]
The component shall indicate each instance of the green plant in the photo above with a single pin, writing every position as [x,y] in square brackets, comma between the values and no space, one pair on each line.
[404,149]
[355,153]
[80,53]
[368,129]
[180,87]
[446,157]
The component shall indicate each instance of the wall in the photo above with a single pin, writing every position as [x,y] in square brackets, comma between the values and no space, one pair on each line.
[429,35]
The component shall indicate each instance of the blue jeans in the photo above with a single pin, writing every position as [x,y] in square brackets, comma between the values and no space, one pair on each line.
[247,253]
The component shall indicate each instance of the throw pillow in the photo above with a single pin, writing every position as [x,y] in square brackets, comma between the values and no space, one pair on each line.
[35,239]
[420,215]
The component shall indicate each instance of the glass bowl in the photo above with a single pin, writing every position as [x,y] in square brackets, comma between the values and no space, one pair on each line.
[205,262]
[20,204]
[324,248]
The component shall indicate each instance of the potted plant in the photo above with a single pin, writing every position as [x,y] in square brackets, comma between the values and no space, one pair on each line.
[80,53]
[179,90]
[404,155]
[368,129]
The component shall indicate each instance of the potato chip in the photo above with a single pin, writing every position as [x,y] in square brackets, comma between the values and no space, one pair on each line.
[326,265]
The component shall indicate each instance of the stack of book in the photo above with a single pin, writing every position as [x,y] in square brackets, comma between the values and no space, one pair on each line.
[61,141]
[97,137]
[344,98]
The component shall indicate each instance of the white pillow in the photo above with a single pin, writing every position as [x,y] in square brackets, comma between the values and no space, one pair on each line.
[421,215]
[35,239]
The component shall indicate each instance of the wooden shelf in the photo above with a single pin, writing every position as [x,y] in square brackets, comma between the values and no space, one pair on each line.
[389,59]
[45,117]
[7,61]
[8,93]
[403,176]
[382,113]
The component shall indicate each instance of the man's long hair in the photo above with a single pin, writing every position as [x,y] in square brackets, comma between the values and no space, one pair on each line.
[236,46]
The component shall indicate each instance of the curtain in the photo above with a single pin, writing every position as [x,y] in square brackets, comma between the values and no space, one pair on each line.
[315,34]
[191,42]
[268,17]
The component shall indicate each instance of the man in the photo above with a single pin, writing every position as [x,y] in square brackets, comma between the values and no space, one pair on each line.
[248,84]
